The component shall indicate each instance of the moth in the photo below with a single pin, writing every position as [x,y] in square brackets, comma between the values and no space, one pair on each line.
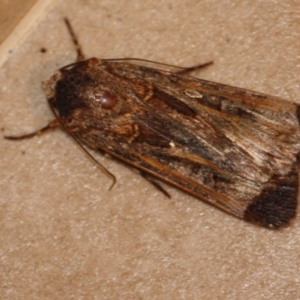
[233,148]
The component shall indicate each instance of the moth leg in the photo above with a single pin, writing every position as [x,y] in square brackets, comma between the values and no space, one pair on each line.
[191,69]
[80,55]
[155,184]
[53,124]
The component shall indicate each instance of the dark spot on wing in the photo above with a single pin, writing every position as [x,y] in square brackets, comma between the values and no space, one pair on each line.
[277,203]
[174,103]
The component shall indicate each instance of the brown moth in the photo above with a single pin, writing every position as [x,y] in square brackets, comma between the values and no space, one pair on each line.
[233,148]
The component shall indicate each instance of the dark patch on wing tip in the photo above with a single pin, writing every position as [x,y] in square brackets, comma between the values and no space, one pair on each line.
[298,113]
[277,203]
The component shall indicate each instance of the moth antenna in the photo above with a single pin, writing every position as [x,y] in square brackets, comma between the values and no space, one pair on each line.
[190,69]
[80,55]
[53,124]
[155,64]
[102,168]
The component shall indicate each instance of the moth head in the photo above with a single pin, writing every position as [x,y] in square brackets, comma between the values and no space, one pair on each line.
[80,93]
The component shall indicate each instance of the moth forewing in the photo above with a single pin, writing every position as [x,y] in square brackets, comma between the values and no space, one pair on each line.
[233,148]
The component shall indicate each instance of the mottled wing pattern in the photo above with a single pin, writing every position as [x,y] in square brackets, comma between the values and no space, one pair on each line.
[231,147]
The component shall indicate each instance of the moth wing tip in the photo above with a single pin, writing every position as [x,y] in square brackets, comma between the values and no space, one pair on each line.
[276,205]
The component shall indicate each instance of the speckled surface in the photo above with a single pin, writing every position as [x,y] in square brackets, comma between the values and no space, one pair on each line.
[64,235]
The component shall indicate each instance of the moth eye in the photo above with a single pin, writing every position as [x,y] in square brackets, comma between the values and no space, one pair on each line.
[69,121]
[107,100]
[70,124]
